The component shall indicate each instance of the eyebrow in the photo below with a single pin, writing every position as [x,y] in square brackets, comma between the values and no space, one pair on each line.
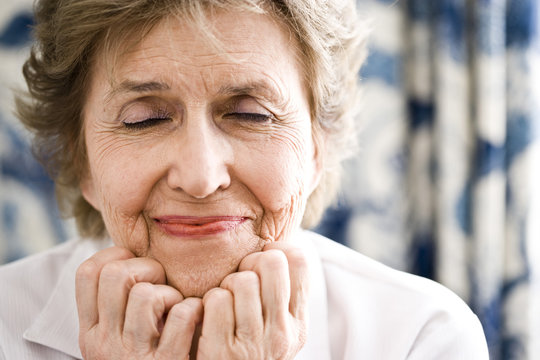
[257,88]
[129,86]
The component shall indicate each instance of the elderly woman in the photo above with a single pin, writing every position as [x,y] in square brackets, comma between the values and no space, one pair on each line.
[196,139]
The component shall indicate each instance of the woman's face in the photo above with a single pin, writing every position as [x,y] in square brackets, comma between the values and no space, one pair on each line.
[200,155]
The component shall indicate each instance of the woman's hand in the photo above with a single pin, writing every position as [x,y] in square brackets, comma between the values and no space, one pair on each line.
[122,303]
[260,312]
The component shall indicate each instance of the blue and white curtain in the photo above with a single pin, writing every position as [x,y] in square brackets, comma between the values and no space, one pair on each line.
[447,183]
[29,220]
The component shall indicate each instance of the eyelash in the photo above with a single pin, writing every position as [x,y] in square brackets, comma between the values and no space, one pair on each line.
[252,117]
[145,124]
[159,117]
[154,121]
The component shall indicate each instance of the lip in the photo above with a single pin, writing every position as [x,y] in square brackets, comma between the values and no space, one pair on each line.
[198,226]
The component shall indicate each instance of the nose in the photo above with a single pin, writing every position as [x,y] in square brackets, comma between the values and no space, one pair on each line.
[199,163]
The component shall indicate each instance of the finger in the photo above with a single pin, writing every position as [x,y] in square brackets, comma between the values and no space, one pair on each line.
[273,271]
[147,303]
[115,282]
[298,274]
[246,292]
[87,280]
[218,323]
[177,336]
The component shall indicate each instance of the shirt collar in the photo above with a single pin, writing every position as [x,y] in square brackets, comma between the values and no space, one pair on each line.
[317,345]
[57,325]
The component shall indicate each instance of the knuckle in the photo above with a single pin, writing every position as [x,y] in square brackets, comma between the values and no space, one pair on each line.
[181,313]
[115,270]
[120,252]
[241,279]
[143,290]
[229,281]
[216,295]
[297,257]
[249,261]
[248,278]
[273,259]
[87,270]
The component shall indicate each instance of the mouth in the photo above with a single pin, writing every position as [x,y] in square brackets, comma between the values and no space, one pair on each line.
[196,226]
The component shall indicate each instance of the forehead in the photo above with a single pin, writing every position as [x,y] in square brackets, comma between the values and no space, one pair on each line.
[227,45]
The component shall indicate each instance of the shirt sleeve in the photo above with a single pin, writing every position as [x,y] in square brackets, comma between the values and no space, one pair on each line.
[448,337]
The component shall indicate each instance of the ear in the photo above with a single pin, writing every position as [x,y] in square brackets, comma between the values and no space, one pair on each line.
[88,191]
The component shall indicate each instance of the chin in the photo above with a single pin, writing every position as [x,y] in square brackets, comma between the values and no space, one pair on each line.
[197,280]
[194,267]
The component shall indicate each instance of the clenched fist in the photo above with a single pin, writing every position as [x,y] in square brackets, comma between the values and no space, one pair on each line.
[259,312]
[127,311]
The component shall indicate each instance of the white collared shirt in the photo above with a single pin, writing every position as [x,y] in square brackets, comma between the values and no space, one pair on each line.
[359,308]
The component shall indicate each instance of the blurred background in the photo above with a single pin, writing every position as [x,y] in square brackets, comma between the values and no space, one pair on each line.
[447,182]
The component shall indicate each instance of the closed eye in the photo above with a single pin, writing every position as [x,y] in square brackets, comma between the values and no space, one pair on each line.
[145,124]
[251,117]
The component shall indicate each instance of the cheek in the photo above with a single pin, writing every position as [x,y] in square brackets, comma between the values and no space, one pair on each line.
[278,171]
[123,177]
[129,186]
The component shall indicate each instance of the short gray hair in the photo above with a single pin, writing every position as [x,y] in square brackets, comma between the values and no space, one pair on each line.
[331,40]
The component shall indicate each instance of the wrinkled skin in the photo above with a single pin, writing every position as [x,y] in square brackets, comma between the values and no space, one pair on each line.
[182,129]
[126,311]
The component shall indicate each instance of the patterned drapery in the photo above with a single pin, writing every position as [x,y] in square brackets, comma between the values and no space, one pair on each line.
[29,219]
[446,182]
